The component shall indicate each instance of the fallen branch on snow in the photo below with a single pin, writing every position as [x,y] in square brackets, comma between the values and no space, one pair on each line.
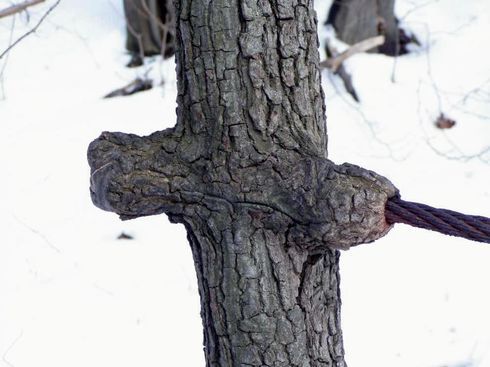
[137,85]
[334,63]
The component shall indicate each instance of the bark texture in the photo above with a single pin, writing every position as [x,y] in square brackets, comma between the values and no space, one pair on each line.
[245,170]
[357,20]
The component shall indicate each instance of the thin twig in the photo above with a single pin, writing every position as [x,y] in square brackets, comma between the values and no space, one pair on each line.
[30,31]
[370,124]
[4,66]
[16,340]
[17,8]
[37,233]
[460,155]
[401,20]
[139,38]
[164,26]
[416,8]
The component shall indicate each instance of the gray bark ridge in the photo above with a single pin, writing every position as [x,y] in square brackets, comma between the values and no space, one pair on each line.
[246,171]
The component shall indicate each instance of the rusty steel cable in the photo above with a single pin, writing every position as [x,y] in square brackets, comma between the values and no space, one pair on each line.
[445,221]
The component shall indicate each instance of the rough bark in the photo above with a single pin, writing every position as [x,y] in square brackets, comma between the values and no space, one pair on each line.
[357,20]
[245,170]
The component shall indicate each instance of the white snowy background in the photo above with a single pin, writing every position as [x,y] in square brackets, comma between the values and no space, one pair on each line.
[72,294]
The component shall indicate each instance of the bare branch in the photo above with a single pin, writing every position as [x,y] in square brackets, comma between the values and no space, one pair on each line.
[17,8]
[33,30]
[342,73]
[369,43]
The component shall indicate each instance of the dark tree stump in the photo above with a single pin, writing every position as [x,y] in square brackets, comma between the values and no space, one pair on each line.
[150,27]
[357,20]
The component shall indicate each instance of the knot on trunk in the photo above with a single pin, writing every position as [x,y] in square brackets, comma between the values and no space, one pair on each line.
[326,205]
[339,206]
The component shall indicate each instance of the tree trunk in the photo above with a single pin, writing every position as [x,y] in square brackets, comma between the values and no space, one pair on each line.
[245,171]
[357,20]
[150,27]
[264,301]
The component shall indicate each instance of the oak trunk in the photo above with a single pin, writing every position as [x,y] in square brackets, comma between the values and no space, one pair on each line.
[245,170]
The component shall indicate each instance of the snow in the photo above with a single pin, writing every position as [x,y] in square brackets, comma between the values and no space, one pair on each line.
[71,294]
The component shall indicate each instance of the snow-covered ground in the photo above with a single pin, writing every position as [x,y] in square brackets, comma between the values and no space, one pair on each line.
[72,294]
